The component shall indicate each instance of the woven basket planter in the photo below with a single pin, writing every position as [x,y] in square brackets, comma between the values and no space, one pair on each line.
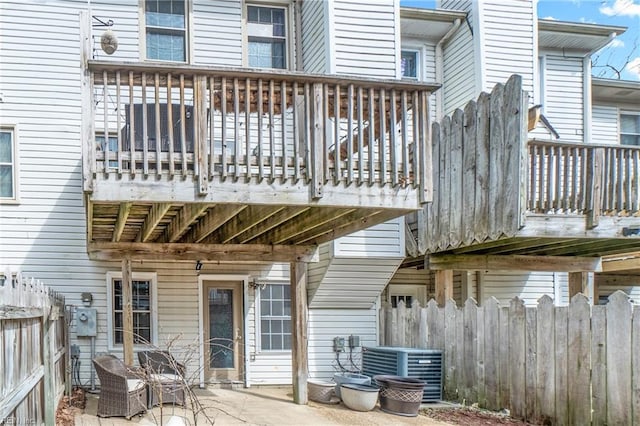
[320,391]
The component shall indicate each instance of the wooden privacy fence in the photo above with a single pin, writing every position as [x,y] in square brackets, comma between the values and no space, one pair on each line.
[479,164]
[33,351]
[576,364]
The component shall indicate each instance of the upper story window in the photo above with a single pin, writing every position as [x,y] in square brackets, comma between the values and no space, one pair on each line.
[630,129]
[8,175]
[166,30]
[409,64]
[267,37]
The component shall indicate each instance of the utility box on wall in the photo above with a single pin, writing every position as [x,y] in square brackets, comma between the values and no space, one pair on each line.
[86,324]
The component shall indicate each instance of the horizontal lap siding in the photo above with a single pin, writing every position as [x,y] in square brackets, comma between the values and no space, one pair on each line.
[604,124]
[528,286]
[314,54]
[564,96]
[364,38]
[384,240]
[325,324]
[459,70]
[508,42]
[217,32]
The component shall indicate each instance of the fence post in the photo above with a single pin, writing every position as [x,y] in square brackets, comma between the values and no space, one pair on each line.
[49,367]
[316,130]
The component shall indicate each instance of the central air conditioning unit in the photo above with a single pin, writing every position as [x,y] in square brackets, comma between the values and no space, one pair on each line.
[423,364]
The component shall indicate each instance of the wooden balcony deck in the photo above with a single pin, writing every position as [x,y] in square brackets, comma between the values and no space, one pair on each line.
[183,155]
[497,193]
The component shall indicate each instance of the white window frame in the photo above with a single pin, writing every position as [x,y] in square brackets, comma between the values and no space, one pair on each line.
[419,58]
[620,133]
[152,277]
[258,321]
[187,33]
[15,199]
[289,30]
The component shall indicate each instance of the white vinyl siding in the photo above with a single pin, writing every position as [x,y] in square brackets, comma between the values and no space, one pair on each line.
[314,36]
[365,38]
[384,240]
[507,34]
[459,70]
[217,33]
[604,125]
[564,96]
[609,284]
[325,324]
[422,282]
[528,286]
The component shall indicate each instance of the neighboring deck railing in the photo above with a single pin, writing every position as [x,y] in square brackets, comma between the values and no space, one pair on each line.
[583,179]
[216,124]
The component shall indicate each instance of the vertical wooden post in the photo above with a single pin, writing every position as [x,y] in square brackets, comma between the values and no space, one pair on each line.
[316,131]
[467,286]
[581,282]
[299,331]
[49,366]
[444,286]
[127,312]
[88,131]
[595,167]
[200,113]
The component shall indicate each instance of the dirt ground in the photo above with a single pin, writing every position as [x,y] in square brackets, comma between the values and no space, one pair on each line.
[469,416]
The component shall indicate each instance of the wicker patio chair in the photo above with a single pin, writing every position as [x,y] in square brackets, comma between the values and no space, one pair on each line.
[165,377]
[123,391]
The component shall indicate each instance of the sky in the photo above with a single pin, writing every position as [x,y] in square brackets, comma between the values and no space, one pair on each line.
[621,58]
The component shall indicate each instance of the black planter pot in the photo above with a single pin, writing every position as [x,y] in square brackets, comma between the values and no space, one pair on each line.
[400,395]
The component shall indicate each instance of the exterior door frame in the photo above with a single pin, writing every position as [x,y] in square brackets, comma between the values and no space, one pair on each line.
[201,338]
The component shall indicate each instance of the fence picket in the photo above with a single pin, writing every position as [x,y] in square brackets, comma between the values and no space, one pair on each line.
[618,360]
[599,365]
[561,365]
[470,333]
[531,370]
[517,357]
[450,380]
[503,359]
[491,350]
[579,361]
[635,363]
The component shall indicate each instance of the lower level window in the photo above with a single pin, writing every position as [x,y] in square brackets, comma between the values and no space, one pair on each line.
[395,299]
[142,298]
[275,317]
[630,129]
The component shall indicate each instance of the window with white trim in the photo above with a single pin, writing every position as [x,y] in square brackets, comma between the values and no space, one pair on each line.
[275,317]
[267,37]
[166,30]
[8,174]
[143,302]
[410,64]
[630,128]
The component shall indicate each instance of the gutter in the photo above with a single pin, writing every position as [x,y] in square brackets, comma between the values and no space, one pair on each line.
[440,67]
[587,100]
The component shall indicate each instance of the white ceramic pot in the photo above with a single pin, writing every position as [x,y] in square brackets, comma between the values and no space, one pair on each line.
[359,397]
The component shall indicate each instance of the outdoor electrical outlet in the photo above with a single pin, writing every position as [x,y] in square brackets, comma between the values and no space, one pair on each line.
[338,344]
[354,341]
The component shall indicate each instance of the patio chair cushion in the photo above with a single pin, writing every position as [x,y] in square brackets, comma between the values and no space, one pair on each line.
[134,384]
[165,377]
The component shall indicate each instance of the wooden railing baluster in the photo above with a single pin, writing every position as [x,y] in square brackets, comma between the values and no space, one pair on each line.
[183,127]
[158,135]
[172,165]
[105,103]
[145,130]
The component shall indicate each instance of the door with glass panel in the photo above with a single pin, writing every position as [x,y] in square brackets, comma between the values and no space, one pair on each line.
[223,339]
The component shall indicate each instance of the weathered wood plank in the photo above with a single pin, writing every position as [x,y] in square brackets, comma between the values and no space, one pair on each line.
[545,362]
[492,353]
[211,222]
[480,357]
[456,172]
[432,227]
[123,214]
[469,379]
[504,385]
[517,357]
[531,362]
[561,360]
[496,152]
[579,361]
[156,214]
[444,286]
[481,207]
[513,262]
[469,182]
[179,225]
[127,311]
[444,204]
[450,348]
[599,364]
[299,329]
[619,370]
[635,363]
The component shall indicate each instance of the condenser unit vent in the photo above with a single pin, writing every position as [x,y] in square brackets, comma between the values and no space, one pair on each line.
[423,364]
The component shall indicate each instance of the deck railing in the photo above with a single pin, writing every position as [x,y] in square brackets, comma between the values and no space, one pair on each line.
[217,124]
[583,179]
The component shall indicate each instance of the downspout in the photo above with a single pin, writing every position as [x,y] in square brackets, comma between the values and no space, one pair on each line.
[586,91]
[440,67]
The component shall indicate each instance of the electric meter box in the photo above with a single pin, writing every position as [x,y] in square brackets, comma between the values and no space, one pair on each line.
[86,322]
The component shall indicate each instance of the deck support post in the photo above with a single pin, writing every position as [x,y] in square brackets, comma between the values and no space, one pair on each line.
[299,338]
[581,282]
[444,286]
[127,312]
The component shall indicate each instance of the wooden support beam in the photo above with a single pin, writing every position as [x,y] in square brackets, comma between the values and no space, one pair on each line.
[299,338]
[214,219]
[123,214]
[153,219]
[514,263]
[581,282]
[621,263]
[127,312]
[188,214]
[274,221]
[210,252]
[246,219]
[444,286]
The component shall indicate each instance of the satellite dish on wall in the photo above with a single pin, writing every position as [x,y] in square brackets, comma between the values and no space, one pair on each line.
[109,42]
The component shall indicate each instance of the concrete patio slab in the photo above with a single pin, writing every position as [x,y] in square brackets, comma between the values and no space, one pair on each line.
[254,406]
